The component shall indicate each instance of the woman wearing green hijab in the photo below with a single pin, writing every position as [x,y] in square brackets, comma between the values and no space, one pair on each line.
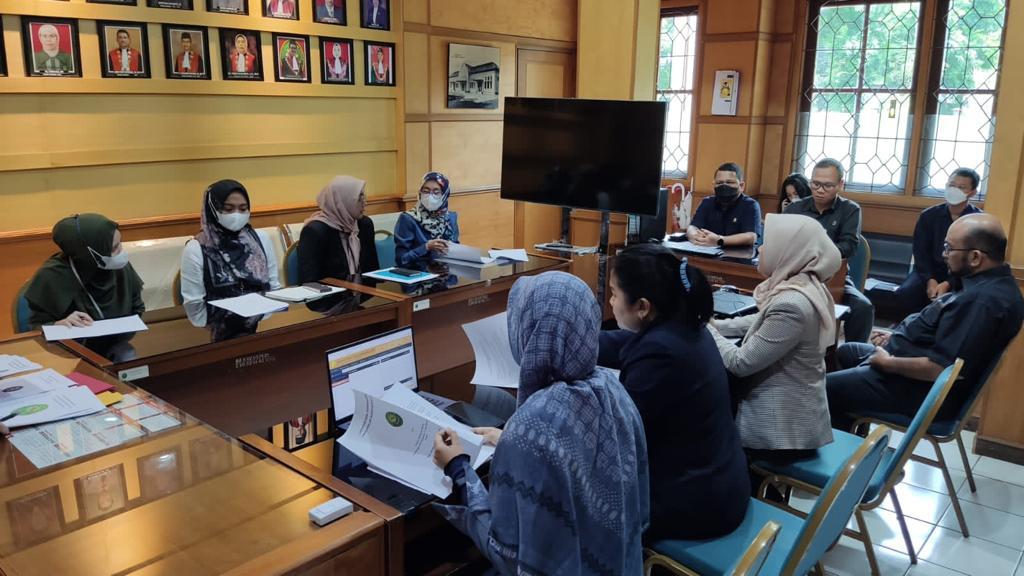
[89,279]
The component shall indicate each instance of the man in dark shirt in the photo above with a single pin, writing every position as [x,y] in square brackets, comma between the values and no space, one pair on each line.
[841,220]
[930,279]
[975,322]
[730,217]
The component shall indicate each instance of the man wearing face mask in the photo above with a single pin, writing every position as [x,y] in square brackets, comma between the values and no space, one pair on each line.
[89,279]
[228,257]
[730,217]
[975,321]
[930,278]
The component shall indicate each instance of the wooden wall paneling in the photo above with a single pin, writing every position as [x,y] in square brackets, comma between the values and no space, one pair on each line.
[731,16]
[606,40]
[439,74]
[417,11]
[717,143]
[468,152]
[648,36]
[754,160]
[778,81]
[550,19]
[417,73]
[485,220]
[773,171]
[417,154]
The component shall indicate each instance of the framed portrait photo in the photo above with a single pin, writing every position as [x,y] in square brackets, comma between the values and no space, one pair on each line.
[120,2]
[51,47]
[380,63]
[36,517]
[185,53]
[375,14]
[211,456]
[171,4]
[124,49]
[291,58]
[283,9]
[228,6]
[101,493]
[299,432]
[338,65]
[161,473]
[240,54]
[330,12]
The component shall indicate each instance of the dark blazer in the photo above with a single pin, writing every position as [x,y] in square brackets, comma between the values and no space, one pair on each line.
[699,482]
[321,254]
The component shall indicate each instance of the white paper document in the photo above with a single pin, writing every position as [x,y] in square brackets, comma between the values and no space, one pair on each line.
[876,284]
[394,434]
[44,396]
[249,305]
[98,328]
[301,293]
[53,443]
[466,254]
[11,365]
[517,254]
[495,365]
[686,246]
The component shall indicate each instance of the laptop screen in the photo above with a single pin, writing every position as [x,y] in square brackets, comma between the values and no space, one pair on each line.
[373,366]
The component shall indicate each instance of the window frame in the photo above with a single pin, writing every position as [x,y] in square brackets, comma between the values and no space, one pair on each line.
[670,10]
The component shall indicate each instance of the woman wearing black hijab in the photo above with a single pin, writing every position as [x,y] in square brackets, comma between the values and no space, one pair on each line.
[89,279]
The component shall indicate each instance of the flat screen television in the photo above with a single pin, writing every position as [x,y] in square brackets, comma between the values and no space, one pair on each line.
[593,154]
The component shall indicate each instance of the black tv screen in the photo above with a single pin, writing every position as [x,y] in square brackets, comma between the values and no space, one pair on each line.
[593,154]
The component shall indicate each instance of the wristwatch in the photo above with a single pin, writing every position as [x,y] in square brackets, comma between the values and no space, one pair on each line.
[721,242]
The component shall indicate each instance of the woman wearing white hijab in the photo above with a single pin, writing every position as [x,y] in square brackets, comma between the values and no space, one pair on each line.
[781,363]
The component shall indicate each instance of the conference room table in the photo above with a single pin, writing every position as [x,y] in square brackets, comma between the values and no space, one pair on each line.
[258,374]
[143,487]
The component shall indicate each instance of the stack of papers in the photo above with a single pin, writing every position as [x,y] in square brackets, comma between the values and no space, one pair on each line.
[876,284]
[249,305]
[691,248]
[465,255]
[98,328]
[394,433]
[388,275]
[11,365]
[44,396]
[516,254]
[302,293]
[495,365]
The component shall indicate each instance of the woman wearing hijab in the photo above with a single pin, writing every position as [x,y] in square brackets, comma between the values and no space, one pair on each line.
[780,366]
[671,368]
[568,483]
[794,187]
[337,241]
[89,279]
[427,229]
[228,257]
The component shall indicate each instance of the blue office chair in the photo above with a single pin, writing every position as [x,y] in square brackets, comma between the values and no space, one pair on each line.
[749,564]
[385,243]
[801,542]
[21,312]
[291,264]
[858,264]
[813,473]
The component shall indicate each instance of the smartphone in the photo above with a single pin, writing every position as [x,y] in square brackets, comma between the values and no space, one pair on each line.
[405,272]
[316,286]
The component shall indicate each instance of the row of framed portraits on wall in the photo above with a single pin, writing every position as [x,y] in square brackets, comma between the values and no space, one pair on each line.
[51,49]
[373,14]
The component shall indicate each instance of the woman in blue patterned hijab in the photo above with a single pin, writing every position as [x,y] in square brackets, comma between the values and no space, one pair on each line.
[568,484]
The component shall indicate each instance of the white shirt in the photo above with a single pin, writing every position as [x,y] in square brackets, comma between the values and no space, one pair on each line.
[186,62]
[336,68]
[239,62]
[124,59]
[193,289]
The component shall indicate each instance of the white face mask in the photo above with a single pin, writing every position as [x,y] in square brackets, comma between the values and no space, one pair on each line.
[234,221]
[114,262]
[955,195]
[431,202]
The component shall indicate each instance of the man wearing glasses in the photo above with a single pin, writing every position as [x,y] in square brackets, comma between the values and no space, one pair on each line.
[841,219]
[975,322]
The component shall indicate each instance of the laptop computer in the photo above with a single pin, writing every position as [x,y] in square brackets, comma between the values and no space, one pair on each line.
[728,304]
[375,365]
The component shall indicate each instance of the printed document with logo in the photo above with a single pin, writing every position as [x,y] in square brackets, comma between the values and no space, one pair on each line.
[465,255]
[44,396]
[394,434]
[495,365]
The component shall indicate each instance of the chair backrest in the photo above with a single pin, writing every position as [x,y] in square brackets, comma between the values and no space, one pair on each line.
[840,497]
[979,385]
[753,559]
[919,425]
[858,263]
[385,243]
[21,312]
[176,296]
[291,265]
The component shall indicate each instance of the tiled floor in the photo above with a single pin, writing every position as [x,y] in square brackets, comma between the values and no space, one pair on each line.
[995,518]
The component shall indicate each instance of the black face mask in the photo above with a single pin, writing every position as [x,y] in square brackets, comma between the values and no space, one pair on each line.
[725,193]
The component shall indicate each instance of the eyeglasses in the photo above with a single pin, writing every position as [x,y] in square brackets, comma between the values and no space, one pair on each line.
[946,249]
[429,192]
[830,186]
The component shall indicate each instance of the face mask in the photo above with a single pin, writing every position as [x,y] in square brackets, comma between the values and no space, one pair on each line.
[115,262]
[955,195]
[234,221]
[726,193]
[431,202]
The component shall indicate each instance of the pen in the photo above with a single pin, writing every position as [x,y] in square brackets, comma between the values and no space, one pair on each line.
[446,437]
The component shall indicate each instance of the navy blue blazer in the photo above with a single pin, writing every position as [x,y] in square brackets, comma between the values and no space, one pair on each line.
[698,471]
[411,239]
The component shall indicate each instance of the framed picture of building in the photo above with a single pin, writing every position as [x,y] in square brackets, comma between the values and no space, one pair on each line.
[228,6]
[473,74]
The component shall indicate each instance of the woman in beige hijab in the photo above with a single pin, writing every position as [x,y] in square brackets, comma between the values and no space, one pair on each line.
[778,372]
[337,240]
